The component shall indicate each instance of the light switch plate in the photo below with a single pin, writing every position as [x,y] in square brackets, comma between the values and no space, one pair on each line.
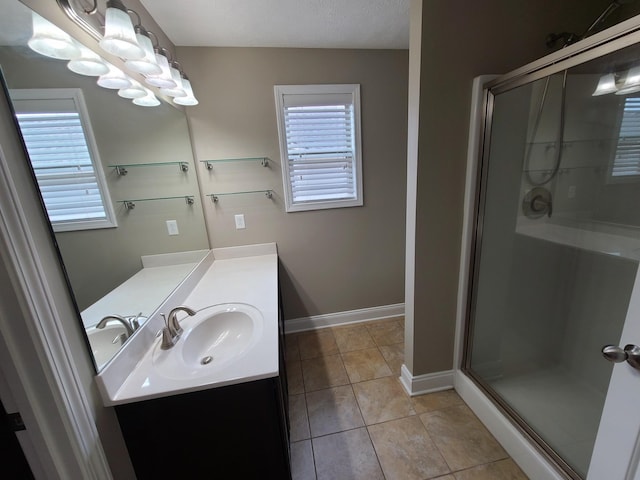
[240,222]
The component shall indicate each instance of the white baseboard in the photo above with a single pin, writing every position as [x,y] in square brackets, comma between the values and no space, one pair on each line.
[343,318]
[429,383]
[533,463]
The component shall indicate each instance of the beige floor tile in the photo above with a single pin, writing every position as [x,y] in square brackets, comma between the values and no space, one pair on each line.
[298,419]
[502,470]
[366,364]
[292,351]
[323,372]
[382,399]
[353,338]
[388,332]
[394,356]
[317,343]
[346,456]
[294,378]
[333,410]
[463,441]
[436,401]
[405,450]
[302,465]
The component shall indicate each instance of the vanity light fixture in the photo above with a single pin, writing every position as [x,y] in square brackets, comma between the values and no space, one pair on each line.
[178,90]
[88,63]
[149,100]
[631,82]
[189,99]
[606,84]
[114,79]
[135,90]
[50,41]
[163,80]
[146,65]
[119,36]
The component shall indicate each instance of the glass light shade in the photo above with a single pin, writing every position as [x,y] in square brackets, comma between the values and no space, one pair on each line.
[114,79]
[631,82]
[606,84]
[149,100]
[163,80]
[88,63]
[134,91]
[147,65]
[176,91]
[119,38]
[50,41]
[189,99]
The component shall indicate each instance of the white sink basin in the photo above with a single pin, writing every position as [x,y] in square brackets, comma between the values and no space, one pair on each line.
[213,338]
[105,342]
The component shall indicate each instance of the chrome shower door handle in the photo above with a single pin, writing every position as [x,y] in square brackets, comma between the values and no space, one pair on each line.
[633,355]
[630,354]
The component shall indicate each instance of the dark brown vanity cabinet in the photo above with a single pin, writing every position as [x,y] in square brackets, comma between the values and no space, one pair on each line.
[234,432]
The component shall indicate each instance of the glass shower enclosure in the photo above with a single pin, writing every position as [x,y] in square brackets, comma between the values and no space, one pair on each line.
[556,246]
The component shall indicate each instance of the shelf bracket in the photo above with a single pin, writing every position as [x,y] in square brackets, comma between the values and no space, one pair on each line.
[129,205]
[184,166]
[190,200]
[121,171]
[264,162]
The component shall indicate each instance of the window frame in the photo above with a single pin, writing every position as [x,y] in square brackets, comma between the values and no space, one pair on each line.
[280,92]
[76,96]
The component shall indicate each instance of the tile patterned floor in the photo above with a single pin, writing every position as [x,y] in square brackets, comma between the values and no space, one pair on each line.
[351,419]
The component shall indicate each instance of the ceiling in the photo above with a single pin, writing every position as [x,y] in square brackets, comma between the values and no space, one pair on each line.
[284,23]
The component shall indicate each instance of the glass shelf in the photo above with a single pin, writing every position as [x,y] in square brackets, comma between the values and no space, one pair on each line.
[214,196]
[121,168]
[131,204]
[264,161]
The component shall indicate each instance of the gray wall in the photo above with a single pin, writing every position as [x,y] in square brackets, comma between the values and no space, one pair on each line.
[333,260]
[459,41]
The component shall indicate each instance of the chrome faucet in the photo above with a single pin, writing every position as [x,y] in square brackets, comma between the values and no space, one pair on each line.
[172,329]
[103,323]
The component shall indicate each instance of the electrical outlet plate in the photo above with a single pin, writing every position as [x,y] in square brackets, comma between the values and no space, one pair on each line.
[240,222]
[172,227]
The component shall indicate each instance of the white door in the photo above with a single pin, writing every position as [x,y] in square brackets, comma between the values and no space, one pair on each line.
[617,448]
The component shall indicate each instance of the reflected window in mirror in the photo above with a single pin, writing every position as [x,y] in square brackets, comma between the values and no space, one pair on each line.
[626,162]
[57,133]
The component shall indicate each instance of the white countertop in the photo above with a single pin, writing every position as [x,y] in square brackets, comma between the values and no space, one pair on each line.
[144,291]
[246,275]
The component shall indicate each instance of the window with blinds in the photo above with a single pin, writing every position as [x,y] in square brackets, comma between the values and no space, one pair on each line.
[64,159]
[626,162]
[319,129]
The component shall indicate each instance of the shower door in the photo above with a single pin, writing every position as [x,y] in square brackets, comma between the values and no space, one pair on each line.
[555,270]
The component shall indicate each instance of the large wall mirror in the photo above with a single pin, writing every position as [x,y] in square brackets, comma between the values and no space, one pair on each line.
[155,233]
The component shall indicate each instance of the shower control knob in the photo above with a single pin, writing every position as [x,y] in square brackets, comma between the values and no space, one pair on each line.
[614,354]
[630,354]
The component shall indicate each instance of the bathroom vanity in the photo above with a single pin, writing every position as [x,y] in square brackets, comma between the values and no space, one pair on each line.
[215,404]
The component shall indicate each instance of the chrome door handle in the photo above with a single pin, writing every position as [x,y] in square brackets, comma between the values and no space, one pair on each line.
[630,354]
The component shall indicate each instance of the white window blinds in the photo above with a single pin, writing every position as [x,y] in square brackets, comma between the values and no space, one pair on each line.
[63,162]
[627,157]
[319,133]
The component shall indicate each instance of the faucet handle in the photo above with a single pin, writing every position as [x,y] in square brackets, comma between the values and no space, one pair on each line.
[168,339]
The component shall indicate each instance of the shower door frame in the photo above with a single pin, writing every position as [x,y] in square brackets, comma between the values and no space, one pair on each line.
[615,38]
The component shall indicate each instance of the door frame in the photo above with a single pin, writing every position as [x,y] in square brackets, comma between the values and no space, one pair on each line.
[529,456]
